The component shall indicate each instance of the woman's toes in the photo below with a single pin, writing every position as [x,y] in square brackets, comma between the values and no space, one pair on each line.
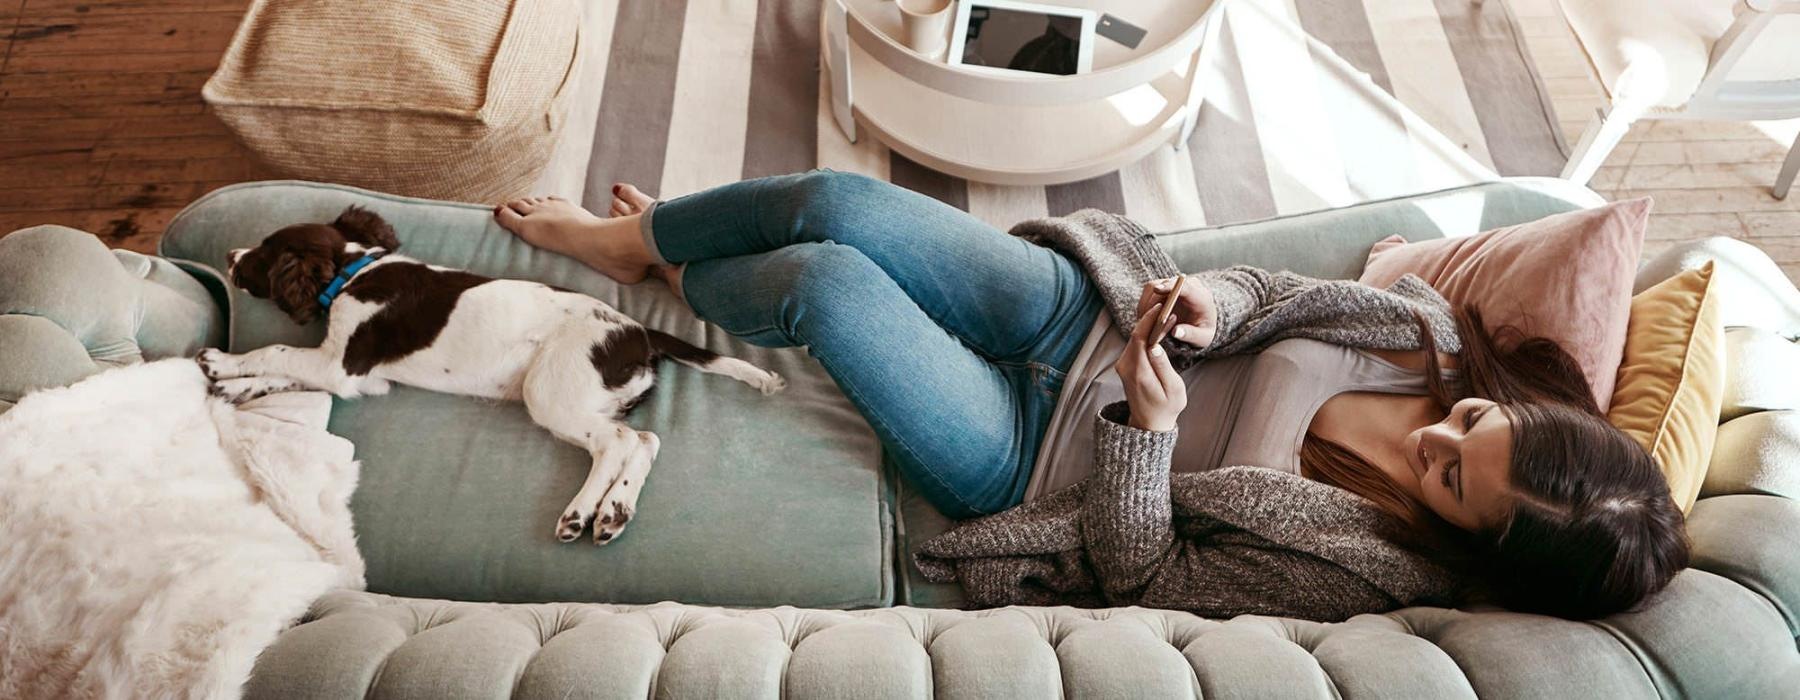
[508,218]
[632,196]
[628,200]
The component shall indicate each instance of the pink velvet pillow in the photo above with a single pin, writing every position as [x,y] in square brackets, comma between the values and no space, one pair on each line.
[1565,277]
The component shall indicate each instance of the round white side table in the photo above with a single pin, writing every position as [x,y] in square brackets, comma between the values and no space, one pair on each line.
[1021,129]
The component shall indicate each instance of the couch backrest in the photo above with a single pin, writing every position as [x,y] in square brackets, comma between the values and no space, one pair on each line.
[1334,244]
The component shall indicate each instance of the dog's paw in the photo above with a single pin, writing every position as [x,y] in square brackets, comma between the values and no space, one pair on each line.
[241,389]
[570,525]
[613,516]
[771,384]
[212,363]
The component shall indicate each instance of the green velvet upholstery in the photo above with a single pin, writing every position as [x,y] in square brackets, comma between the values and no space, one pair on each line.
[1334,243]
[781,501]
[754,500]
[69,308]
[1706,638]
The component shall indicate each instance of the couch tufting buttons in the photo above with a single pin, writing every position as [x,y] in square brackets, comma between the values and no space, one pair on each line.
[724,657]
[622,649]
[1000,655]
[859,659]
[430,663]
[1123,657]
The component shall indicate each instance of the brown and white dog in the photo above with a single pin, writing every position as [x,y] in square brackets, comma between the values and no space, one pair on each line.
[577,363]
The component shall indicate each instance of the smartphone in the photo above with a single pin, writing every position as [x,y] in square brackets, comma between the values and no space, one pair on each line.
[1168,307]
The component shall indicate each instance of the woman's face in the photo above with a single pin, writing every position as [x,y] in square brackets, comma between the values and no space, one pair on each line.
[1464,463]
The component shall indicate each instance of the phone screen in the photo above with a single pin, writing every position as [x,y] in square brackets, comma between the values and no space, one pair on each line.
[1019,40]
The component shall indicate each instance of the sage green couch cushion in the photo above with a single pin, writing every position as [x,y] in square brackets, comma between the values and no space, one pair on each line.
[1329,244]
[70,308]
[753,501]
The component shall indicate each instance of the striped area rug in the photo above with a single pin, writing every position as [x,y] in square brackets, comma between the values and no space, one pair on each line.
[1308,104]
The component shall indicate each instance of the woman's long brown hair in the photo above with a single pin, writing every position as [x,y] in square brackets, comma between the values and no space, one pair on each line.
[1591,529]
[1503,366]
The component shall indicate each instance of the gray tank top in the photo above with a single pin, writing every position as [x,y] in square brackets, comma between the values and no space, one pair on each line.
[1243,410]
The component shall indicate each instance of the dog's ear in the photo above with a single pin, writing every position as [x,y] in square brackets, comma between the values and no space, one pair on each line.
[359,225]
[295,282]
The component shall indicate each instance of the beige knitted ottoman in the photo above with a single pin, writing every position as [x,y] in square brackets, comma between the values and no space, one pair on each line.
[447,100]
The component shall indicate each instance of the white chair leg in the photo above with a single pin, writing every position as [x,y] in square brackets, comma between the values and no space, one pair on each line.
[1788,169]
[1602,135]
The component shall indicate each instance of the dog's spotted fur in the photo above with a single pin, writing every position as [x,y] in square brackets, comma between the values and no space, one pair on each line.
[416,303]
[576,363]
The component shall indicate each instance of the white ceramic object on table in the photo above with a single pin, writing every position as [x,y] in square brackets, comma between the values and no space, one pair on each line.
[927,25]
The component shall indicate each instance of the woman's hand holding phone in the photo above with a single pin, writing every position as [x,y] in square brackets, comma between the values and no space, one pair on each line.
[1195,311]
[1153,389]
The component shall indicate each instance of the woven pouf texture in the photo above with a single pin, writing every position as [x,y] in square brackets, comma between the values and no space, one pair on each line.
[447,100]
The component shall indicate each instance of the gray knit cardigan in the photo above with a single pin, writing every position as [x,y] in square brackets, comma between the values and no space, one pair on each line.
[1219,543]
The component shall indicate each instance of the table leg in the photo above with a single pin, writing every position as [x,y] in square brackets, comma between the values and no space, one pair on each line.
[1190,112]
[837,63]
[1789,168]
[1195,95]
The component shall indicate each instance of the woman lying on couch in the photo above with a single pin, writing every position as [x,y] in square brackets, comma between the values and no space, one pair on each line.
[1398,453]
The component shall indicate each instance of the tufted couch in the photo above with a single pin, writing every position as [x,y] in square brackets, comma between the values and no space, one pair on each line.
[762,503]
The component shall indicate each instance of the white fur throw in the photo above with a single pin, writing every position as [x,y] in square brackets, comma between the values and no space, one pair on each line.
[153,539]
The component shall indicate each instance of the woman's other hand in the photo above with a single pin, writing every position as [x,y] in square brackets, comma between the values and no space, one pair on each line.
[1196,312]
[1153,389]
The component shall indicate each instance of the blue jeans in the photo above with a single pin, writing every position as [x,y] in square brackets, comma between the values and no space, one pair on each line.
[951,337]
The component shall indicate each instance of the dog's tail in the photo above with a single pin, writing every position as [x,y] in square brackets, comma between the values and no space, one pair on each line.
[665,345]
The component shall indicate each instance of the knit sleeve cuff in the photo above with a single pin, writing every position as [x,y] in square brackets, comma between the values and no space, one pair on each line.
[1124,451]
[1234,298]
[1126,512]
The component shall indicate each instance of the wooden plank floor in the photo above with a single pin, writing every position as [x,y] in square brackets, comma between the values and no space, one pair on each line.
[101,123]
[102,128]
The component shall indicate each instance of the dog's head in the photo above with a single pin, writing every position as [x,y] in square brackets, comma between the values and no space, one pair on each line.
[292,266]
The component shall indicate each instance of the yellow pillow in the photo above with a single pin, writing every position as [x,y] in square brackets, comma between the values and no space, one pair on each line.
[1672,379]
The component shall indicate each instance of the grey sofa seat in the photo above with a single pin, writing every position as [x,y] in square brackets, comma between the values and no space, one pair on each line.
[1707,637]
[788,504]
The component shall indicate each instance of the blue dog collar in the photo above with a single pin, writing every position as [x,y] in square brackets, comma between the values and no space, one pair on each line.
[343,278]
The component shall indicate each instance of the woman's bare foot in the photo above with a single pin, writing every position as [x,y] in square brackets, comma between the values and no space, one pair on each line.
[551,223]
[671,275]
[613,245]
[628,200]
